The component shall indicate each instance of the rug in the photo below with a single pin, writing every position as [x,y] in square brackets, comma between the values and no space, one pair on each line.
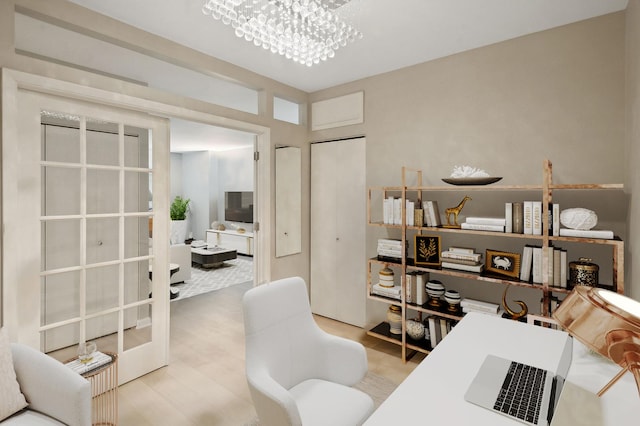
[377,387]
[204,280]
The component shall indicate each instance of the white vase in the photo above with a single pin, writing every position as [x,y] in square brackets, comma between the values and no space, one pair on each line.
[178,231]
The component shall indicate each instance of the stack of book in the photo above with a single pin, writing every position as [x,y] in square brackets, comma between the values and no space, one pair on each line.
[416,287]
[462,259]
[472,305]
[390,249]
[438,329]
[495,224]
[431,213]
[392,211]
[587,233]
[531,265]
[394,292]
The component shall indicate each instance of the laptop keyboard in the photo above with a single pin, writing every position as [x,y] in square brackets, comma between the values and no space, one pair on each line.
[521,392]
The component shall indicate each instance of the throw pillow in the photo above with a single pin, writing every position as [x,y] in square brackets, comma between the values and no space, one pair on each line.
[12,399]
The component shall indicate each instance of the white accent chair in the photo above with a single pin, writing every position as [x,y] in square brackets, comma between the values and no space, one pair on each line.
[297,373]
[56,394]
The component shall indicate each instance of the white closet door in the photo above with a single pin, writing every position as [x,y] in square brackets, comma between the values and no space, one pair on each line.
[338,220]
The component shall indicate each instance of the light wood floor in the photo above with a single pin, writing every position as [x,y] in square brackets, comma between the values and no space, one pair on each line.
[205,383]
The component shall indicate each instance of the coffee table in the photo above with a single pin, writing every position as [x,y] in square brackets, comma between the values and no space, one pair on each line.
[212,257]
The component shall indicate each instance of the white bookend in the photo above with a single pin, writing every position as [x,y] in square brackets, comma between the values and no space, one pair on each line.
[500,221]
[427,216]
[536,267]
[525,265]
[478,227]
[587,233]
[528,217]
[556,267]
[436,213]
[508,217]
[537,217]
[555,217]
[563,268]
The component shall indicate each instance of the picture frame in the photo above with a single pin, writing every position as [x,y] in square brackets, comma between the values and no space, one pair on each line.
[502,263]
[427,249]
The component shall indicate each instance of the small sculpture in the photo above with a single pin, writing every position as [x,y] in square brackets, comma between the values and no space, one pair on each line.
[435,290]
[578,218]
[467,171]
[455,211]
[513,314]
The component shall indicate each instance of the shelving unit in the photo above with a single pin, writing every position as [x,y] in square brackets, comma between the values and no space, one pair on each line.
[544,192]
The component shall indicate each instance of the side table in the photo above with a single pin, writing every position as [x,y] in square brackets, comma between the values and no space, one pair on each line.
[104,392]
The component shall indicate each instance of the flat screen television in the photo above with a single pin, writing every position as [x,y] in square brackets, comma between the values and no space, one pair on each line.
[238,206]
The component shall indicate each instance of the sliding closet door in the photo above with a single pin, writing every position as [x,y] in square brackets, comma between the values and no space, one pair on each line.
[338,223]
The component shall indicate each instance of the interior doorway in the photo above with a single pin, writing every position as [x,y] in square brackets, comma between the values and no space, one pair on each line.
[214,168]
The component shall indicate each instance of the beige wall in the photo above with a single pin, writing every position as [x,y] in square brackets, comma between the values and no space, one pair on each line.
[557,94]
[632,143]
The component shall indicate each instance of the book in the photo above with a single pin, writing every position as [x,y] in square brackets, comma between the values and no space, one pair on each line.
[555,218]
[387,210]
[536,212]
[432,332]
[391,292]
[434,213]
[587,233]
[508,217]
[527,214]
[475,257]
[478,227]
[461,261]
[525,265]
[421,287]
[418,217]
[550,268]
[427,216]
[563,268]
[486,220]
[469,268]
[556,268]
[479,305]
[536,266]
[458,249]
[409,214]
[518,218]
[99,359]
[397,211]
[443,328]
[410,287]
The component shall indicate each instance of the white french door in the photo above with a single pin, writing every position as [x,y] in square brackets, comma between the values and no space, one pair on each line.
[83,187]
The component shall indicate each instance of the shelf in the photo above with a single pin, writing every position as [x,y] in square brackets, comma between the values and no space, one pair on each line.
[543,192]
[381,331]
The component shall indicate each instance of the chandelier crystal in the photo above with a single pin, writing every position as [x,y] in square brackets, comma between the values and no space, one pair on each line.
[305,31]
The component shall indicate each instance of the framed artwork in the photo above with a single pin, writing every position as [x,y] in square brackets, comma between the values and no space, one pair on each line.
[503,263]
[427,250]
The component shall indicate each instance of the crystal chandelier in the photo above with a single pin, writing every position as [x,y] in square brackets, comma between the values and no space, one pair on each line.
[306,31]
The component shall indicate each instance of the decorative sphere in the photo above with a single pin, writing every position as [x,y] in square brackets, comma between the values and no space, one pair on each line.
[415,329]
[578,218]
[435,288]
[452,297]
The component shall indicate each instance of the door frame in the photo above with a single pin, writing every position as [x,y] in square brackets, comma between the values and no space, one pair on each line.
[13,81]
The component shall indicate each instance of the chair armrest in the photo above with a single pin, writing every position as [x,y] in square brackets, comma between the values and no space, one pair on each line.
[343,361]
[51,388]
[273,403]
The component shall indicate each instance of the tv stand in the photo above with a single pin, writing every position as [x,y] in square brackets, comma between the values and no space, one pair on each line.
[233,240]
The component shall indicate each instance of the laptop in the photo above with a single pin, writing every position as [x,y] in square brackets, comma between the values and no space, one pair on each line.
[519,391]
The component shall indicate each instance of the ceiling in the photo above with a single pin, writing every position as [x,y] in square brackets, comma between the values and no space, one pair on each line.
[415,31]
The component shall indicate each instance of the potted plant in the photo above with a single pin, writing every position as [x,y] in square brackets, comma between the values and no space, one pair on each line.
[178,214]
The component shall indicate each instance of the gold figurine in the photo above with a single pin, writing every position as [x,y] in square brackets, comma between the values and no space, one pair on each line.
[514,315]
[455,211]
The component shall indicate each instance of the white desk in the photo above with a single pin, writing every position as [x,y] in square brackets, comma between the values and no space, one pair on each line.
[434,392]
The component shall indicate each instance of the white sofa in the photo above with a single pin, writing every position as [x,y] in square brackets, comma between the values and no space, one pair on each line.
[56,395]
[181,255]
